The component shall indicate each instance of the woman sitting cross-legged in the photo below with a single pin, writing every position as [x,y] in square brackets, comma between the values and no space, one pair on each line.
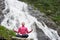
[22,31]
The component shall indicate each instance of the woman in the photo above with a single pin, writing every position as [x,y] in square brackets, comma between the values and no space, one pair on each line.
[23,31]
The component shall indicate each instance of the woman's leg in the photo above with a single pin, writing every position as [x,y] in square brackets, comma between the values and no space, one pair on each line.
[22,36]
[18,35]
[25,36]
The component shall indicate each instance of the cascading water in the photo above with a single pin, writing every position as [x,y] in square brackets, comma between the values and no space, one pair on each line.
[18,12]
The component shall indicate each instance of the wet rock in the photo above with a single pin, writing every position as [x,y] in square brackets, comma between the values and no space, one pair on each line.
[42,17]
[41,35]
[2,6]
[58,30]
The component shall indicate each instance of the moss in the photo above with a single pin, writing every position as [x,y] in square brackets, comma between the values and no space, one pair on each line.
[56,18]
[6,33]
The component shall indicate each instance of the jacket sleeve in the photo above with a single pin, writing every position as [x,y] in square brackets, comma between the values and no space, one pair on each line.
[19,30]
[15,31]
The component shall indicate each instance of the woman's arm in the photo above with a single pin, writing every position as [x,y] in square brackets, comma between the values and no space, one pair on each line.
[29,31]
[15,31]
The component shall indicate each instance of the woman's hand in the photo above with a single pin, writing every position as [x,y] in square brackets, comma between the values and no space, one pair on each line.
[31,30]
[13,30]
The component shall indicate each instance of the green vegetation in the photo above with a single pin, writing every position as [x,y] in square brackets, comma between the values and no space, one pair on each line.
[50,7]
[7,34]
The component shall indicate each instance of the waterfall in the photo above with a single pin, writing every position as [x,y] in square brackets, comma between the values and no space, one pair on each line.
[18,13]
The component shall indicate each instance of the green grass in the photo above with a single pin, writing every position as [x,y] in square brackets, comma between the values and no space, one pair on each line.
[6,33]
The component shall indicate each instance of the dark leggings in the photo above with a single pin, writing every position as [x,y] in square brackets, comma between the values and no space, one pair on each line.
[22,36]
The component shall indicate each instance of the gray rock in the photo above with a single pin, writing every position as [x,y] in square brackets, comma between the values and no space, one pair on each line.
[2,38]
[2,6]
[58,30]
[42,17]
[41,35]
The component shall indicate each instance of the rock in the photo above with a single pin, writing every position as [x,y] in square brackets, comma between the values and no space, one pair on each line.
[2,38]
[2,6]
[18,38]
[42,17]
[58,30]
[41,35]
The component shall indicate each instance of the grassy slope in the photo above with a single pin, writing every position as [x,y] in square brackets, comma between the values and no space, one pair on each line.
[50,7]
[6,33]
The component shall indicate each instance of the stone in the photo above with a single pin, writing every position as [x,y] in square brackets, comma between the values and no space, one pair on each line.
[2,7]
[41,35]
[2,38]
[42,17]
[18,38]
